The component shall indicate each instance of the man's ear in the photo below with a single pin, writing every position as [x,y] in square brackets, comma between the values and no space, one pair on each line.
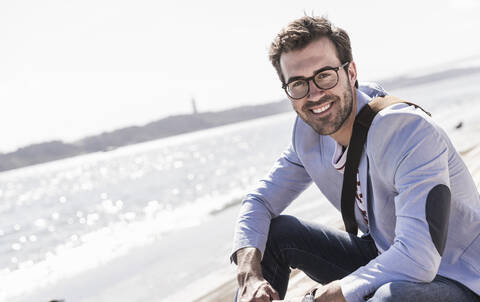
[352,73]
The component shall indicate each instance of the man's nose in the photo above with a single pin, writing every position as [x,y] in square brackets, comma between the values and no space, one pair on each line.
[314,93]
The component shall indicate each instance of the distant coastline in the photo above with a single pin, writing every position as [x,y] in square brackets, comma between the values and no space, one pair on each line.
[106,141]
[179,124]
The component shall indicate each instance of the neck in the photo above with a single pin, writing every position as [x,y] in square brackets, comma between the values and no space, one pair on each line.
[343,135]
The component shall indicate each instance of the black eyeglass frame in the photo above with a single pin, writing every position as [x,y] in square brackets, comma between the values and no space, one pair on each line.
[336,69]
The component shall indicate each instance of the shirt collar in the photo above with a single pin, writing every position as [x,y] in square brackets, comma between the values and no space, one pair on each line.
[362,100]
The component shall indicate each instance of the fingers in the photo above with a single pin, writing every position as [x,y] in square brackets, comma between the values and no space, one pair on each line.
[263,292]
[272,292]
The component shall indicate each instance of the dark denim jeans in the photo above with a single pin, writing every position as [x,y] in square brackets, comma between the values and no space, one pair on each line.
[326,254]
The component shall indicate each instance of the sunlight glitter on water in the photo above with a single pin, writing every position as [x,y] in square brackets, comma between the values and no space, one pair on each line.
[69,216]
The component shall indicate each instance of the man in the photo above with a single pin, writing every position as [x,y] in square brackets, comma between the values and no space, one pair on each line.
[416,202]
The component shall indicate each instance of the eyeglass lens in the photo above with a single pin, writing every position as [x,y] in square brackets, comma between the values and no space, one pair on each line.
[324,80]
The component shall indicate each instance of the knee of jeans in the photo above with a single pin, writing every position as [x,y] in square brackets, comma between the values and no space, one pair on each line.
[281,228]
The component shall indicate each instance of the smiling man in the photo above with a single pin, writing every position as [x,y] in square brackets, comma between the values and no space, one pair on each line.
[415,201]
[327,113]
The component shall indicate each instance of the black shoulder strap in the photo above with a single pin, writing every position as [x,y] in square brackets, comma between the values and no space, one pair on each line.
[359,135]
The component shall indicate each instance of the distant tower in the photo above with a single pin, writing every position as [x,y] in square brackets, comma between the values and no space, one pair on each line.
[194,106]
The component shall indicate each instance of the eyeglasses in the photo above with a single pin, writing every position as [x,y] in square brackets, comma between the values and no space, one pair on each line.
[325,78]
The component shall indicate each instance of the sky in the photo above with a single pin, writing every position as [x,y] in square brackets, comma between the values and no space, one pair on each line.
[74,68]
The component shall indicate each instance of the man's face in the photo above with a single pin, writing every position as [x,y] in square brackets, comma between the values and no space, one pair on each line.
[324,110]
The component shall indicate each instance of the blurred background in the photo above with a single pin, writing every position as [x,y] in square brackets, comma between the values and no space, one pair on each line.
[131,130]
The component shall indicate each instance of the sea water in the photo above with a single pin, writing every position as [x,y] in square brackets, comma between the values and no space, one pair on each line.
[65,218]
[68,216]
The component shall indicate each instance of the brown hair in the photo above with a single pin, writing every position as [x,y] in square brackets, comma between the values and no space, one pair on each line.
[301,32]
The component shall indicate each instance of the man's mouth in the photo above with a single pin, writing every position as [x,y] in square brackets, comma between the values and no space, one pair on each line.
[321,108]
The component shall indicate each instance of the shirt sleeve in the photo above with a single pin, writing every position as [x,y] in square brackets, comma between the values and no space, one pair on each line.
[413,155]
[285,181]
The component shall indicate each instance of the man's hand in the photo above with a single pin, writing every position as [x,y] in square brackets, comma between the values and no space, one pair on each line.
[261,291]
[331,292]
[252,286]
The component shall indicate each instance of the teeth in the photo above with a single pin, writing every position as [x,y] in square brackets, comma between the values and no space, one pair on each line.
[322,109]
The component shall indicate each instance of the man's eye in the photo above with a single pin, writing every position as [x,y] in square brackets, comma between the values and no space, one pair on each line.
[297,84]
[323,75]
